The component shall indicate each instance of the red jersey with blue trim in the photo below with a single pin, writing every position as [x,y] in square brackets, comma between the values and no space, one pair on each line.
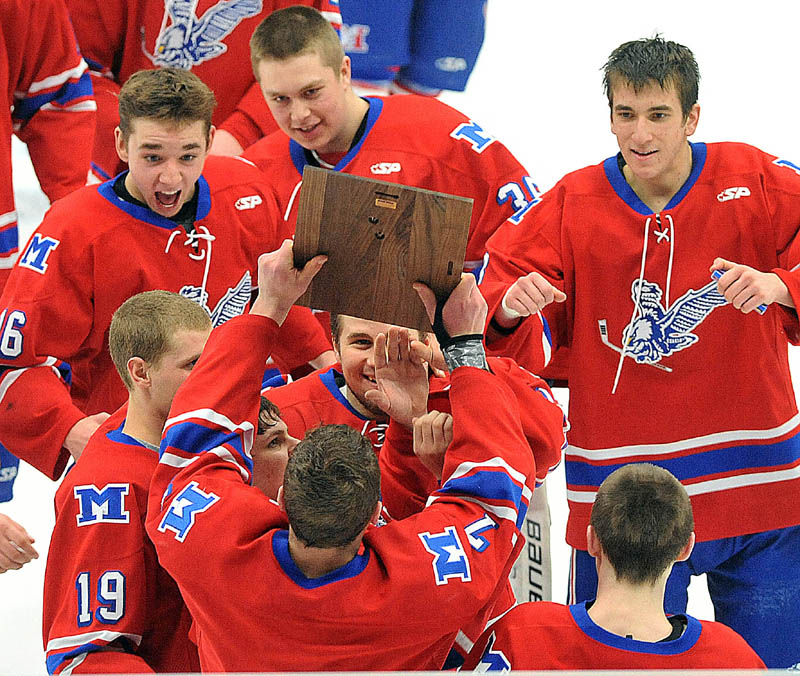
[426,574]
[92,252]
[317,399]
[448,153]
[550,636]
[209,37]
[702,389]
[109,607]
[49,106]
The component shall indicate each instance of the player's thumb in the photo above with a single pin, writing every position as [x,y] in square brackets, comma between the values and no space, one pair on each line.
[721,264]
[427,297]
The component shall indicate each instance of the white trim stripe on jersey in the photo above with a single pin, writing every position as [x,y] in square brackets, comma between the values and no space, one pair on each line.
[177,461]
[11,378]
[72,664]
[54,80]
[466,467]
[507,513]
[713,485]
[640,450]
[463,641]
[80,107]
[7,262]
[83,639]
[218,419]
[8,218]
[225,454]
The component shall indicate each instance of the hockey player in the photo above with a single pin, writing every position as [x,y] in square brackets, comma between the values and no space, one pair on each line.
[413,140]
[108,606]
[49,106]
[327,567]
[173,221]
[406,47]
[208,37]
[670,365]
[641,524]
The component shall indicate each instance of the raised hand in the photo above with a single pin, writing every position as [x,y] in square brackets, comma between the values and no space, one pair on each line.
[16,546]
[280,284]
[527,296]
[401,377]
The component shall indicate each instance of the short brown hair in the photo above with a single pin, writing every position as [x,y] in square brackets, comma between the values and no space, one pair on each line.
[165,94]
[144,324]
[331,486]
[268,415]
[643,519]
[640,63]
[294,31]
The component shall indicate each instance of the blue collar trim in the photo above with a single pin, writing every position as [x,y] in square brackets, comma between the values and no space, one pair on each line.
[119,437]
[617,180]
[147,215]
[328,379]
[280,547]
[297,151]
[680,645]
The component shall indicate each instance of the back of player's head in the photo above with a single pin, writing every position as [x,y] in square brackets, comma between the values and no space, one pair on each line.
[170,95]
[292,32]
[639,63]
[143,326]
[643,519]
[331,486]
[268,415]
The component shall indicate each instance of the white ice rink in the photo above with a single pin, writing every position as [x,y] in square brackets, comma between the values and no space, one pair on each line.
[537,87]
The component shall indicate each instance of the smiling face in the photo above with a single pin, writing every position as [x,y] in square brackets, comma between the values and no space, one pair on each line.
[652,134]
[311,102]
[355,350]
[165,160]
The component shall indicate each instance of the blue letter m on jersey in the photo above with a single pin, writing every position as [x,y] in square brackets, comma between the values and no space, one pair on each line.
[449,558]
[182,510]
[105,505]
[474,134]
[36,254]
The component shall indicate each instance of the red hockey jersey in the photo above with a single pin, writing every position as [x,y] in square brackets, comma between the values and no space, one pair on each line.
[702,390]
[316,400]
[448,153]
[209,37]
[49,105]
[103,585]
[425,574]
[92,252]
[549,636]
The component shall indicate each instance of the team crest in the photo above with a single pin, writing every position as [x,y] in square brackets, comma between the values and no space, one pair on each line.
[188,40]
[231,305]
[657,332]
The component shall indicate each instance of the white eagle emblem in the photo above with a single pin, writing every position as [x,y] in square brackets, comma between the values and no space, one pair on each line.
[656,332]
[189,40]
[231,305]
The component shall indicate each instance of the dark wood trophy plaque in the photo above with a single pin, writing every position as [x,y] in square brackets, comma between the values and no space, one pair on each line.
[380,238]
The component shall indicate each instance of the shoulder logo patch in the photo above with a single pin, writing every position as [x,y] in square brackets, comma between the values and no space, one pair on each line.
[249,202]
[449,558]
[385,168]
[183,510]
[37,252]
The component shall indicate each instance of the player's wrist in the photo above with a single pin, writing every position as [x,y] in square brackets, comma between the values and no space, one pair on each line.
[465,350]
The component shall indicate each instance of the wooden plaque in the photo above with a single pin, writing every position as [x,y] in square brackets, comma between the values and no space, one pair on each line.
[380,238]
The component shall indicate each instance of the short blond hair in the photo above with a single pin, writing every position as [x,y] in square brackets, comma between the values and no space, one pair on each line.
[143,326]
[294,31]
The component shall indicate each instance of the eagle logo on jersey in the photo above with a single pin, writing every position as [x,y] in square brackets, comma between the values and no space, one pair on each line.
[231,305]
[656,332]
[188,40]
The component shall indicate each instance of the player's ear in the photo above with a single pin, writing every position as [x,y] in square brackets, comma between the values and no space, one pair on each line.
[279,499]
[345,71]
[137,371]
[592,542]
[692,119]
[687,549]
[121,144]
[376,514]
[211,131]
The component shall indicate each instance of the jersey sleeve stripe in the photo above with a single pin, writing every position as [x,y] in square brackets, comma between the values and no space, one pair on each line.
[105,636]
[57,80]
[77,92]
